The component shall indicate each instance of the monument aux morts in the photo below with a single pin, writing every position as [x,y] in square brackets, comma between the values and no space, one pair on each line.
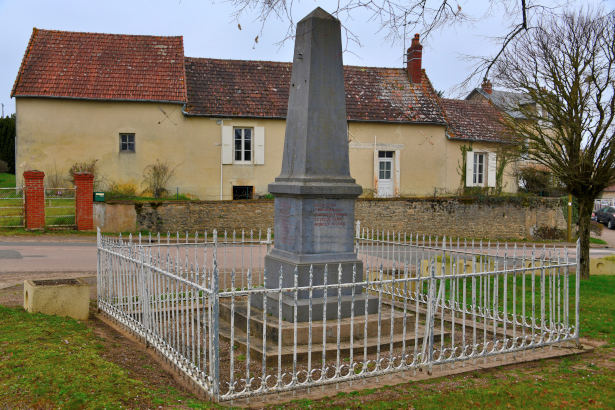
[315,194]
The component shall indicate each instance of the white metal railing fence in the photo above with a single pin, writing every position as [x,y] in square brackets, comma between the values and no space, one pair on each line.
[438,302]
[11,207]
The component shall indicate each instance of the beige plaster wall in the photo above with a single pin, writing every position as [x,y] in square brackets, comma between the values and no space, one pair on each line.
[117,218]
[423,151]
[509,181]
[57,133]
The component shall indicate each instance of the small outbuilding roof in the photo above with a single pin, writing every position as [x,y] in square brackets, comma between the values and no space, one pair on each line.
[65,64]
[474,120]
[507,101]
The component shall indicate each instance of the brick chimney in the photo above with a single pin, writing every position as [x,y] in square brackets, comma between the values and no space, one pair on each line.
[415,57]
[487,86]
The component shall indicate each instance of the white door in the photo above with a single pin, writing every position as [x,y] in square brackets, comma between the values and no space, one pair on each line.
[385,174]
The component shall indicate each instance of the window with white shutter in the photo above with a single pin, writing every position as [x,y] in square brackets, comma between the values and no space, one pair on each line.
[491,162]
[259,145]
[480,168]
[227,145]
[242,145]
[469,168]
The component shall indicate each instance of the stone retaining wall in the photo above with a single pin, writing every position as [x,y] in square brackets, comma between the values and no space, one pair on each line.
[494,218]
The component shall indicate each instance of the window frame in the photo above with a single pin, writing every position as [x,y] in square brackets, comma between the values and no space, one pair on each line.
[478,176]
[243,145]
[134,143]
[249,189]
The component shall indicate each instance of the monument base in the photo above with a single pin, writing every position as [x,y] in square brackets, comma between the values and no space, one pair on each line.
[303,307]
[340,270]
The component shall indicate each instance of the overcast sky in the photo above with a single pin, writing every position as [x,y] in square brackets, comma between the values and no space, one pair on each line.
[210,31]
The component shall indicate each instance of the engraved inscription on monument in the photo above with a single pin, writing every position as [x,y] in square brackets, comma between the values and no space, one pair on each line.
[285,226]
[327,213]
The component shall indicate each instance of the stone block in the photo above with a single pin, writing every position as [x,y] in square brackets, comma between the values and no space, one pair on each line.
[63,297]
[600,266]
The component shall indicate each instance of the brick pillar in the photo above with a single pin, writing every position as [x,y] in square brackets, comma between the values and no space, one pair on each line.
[84,212]
[35,199]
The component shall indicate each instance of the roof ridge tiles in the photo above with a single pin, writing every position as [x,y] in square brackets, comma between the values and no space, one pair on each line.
[105,34]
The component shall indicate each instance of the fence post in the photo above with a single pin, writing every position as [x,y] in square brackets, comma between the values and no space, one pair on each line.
[35,199]
[215,329]
[84,197]
[432,308]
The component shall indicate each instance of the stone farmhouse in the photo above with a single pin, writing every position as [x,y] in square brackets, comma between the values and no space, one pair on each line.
[129,100]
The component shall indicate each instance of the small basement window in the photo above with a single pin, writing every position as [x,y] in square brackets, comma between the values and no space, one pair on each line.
[243,192]
[127,142]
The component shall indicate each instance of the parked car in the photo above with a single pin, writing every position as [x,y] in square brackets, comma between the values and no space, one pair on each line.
[606,216]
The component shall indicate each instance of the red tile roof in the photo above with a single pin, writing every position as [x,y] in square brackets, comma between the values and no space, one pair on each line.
[473,120]
[238,88]
[102,66]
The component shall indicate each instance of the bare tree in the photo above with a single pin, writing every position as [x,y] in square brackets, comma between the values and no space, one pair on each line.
[395,19]
[566,67]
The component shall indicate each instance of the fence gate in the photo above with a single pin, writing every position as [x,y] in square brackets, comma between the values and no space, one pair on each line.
[60,207]
[11,207]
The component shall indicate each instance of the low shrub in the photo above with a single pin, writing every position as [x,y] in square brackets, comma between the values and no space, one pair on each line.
[550,233]
[156,176]
[4,167]
[596,228]
[119,190]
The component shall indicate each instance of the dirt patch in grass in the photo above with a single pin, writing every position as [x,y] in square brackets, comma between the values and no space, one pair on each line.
[125,351]
[140,363]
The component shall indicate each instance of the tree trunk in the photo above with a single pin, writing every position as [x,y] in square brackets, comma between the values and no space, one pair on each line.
[585,208]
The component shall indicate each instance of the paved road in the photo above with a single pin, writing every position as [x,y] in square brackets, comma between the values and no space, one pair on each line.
[22,259]
[45,260]
[608,235]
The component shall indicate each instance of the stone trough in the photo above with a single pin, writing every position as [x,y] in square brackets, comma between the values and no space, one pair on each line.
[62,297]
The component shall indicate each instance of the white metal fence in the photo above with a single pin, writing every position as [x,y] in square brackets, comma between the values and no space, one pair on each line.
[11,207]
[60,207]
[439,301]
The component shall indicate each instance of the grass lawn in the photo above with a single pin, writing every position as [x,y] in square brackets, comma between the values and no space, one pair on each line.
[50,362]
[7,181]
[597,241]
[60,211]
[11,202]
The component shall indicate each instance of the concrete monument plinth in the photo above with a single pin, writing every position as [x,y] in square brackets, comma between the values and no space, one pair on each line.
[314,193]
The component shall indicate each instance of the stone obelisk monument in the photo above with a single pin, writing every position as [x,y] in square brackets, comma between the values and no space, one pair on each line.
[314,193]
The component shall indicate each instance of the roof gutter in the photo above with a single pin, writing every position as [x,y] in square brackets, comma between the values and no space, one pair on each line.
[189,114]
[99,99]
[476,139]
